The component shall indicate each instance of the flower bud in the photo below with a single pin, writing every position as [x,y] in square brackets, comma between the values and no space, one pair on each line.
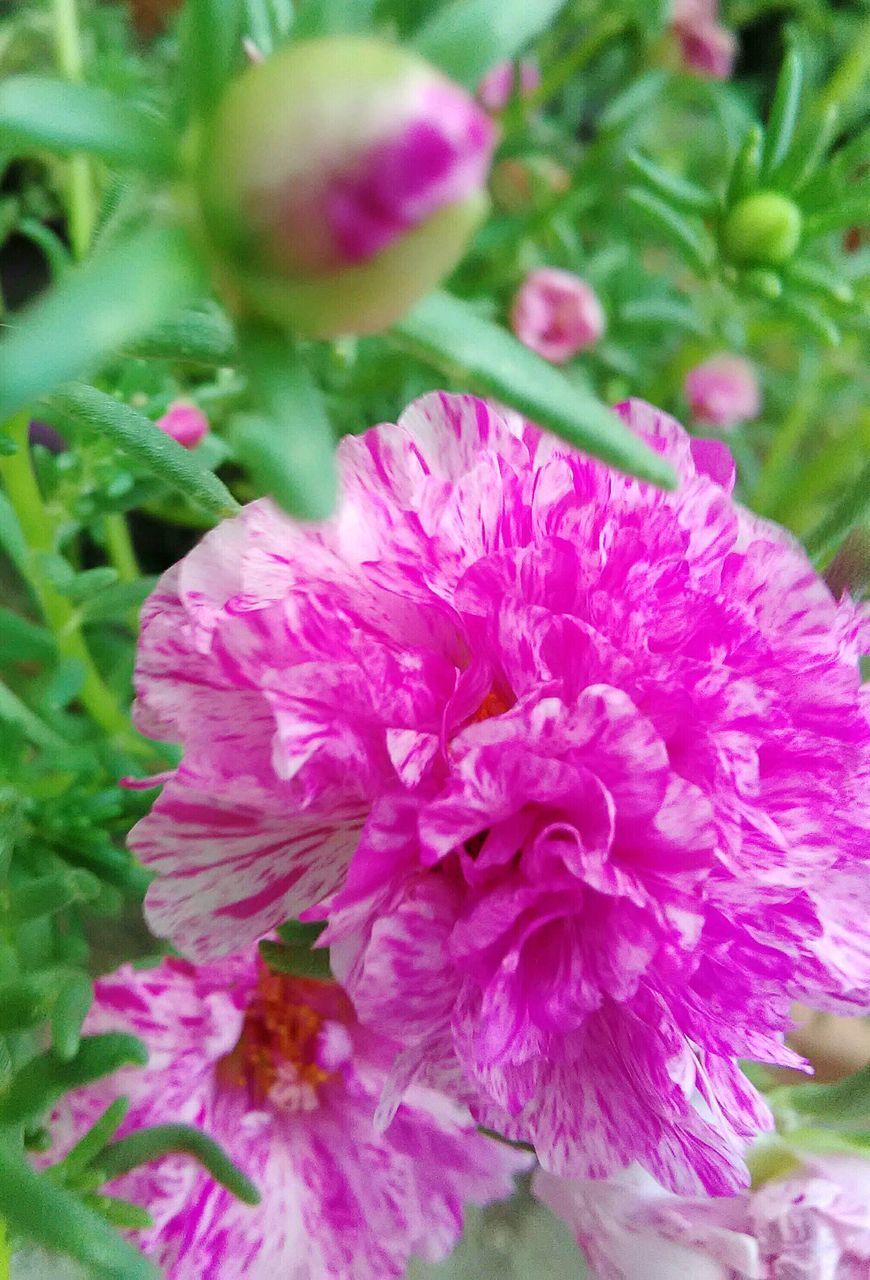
[341,179]
[497,87]
[706,47]
[763,228]
[556,314]
[184,422]
[723,391]
[528,182]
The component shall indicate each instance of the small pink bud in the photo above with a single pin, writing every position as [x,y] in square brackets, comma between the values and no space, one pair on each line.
[497,86]
[184,422]
[706,47]
[556,314]
[723,391]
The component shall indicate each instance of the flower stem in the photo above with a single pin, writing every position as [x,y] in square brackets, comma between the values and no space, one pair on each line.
[38,529]
[81,198]
[582,53]
[120,547]
[5,1252]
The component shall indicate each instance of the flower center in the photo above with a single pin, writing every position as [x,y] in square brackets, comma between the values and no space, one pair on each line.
[279,1055]
[494,704]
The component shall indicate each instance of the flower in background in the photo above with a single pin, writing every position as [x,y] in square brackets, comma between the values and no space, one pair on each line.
[342,178]
[498,85]
[556,314]
[723,391]
[705,45]
[810,1223]
[184,422]
[278,1070]
[576,769]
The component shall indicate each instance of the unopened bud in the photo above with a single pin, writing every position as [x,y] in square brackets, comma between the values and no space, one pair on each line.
[528,182]
[184,422]
[341,180]
[557,314]
[723,391]
[763,228]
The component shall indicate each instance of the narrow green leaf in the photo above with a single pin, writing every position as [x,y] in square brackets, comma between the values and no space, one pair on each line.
[115,868]
[633,101]
[468,37]
[662,313]
[289,447]
[846,1100]
[747,166]
[121,1213]
[24,641]
[692,243]
[297,933]
[818,277]
[11,536]
[37,1209]
[92,410]
[300,961]
[783,112]
[851,509]
[27,1000]
[38,1084]
[113,604]
[809,150]
[200,336]
[852,211]
[72,1004]
[45,895]
[673,189]
[333,17]
[38,112]
[91,1144]
[84,586]
[483,358]
[811,317]
[100,307]
[211,49]
[165,1139]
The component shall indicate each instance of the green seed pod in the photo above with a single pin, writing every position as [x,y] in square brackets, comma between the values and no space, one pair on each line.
[339,181]
[764,228]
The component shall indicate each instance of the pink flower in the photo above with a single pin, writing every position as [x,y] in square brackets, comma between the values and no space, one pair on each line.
[723,391]
[497,87]
[706,47]
[812,1224]
[279,1072]
[556,314]
[184,422]
[595,756]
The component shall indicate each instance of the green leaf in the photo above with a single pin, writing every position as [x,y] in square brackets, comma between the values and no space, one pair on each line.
[334,17]
[72,1004]
[783,112]
[289,448]
[446,333]
[24,641]
[115,868]
[296,933]
[91,1144]
[83,586]
[92,410]
[11,536]
[662,313]
[55,115]
[468,37]
[805,157]
[692,243]
[166,1139]
[211,49]
[45,895]
[121,1213]
[846,1100]
[818,277]
[674,190]
[747,166]
[38,1209]
[632,102]
[38,1084]
[811,317]
[300,961]
[851,509]
[100,307]
[200,336]
[26,1001]
[853,210]
[113,604]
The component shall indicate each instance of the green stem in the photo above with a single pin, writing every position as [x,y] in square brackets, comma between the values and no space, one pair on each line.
[784,450]
[120,547]
[38,529]
[13,710]
[81,198]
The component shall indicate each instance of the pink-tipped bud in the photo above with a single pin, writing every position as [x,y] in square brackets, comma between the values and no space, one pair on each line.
[341,180]
[184,422]
[706,47]
[498,85]
[556,314]
[723,391]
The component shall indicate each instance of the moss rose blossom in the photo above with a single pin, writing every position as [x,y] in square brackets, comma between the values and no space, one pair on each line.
[279,1071]
[575,768]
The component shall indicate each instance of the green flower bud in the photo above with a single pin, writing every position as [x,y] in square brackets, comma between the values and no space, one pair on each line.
[340,180]
[763,228]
